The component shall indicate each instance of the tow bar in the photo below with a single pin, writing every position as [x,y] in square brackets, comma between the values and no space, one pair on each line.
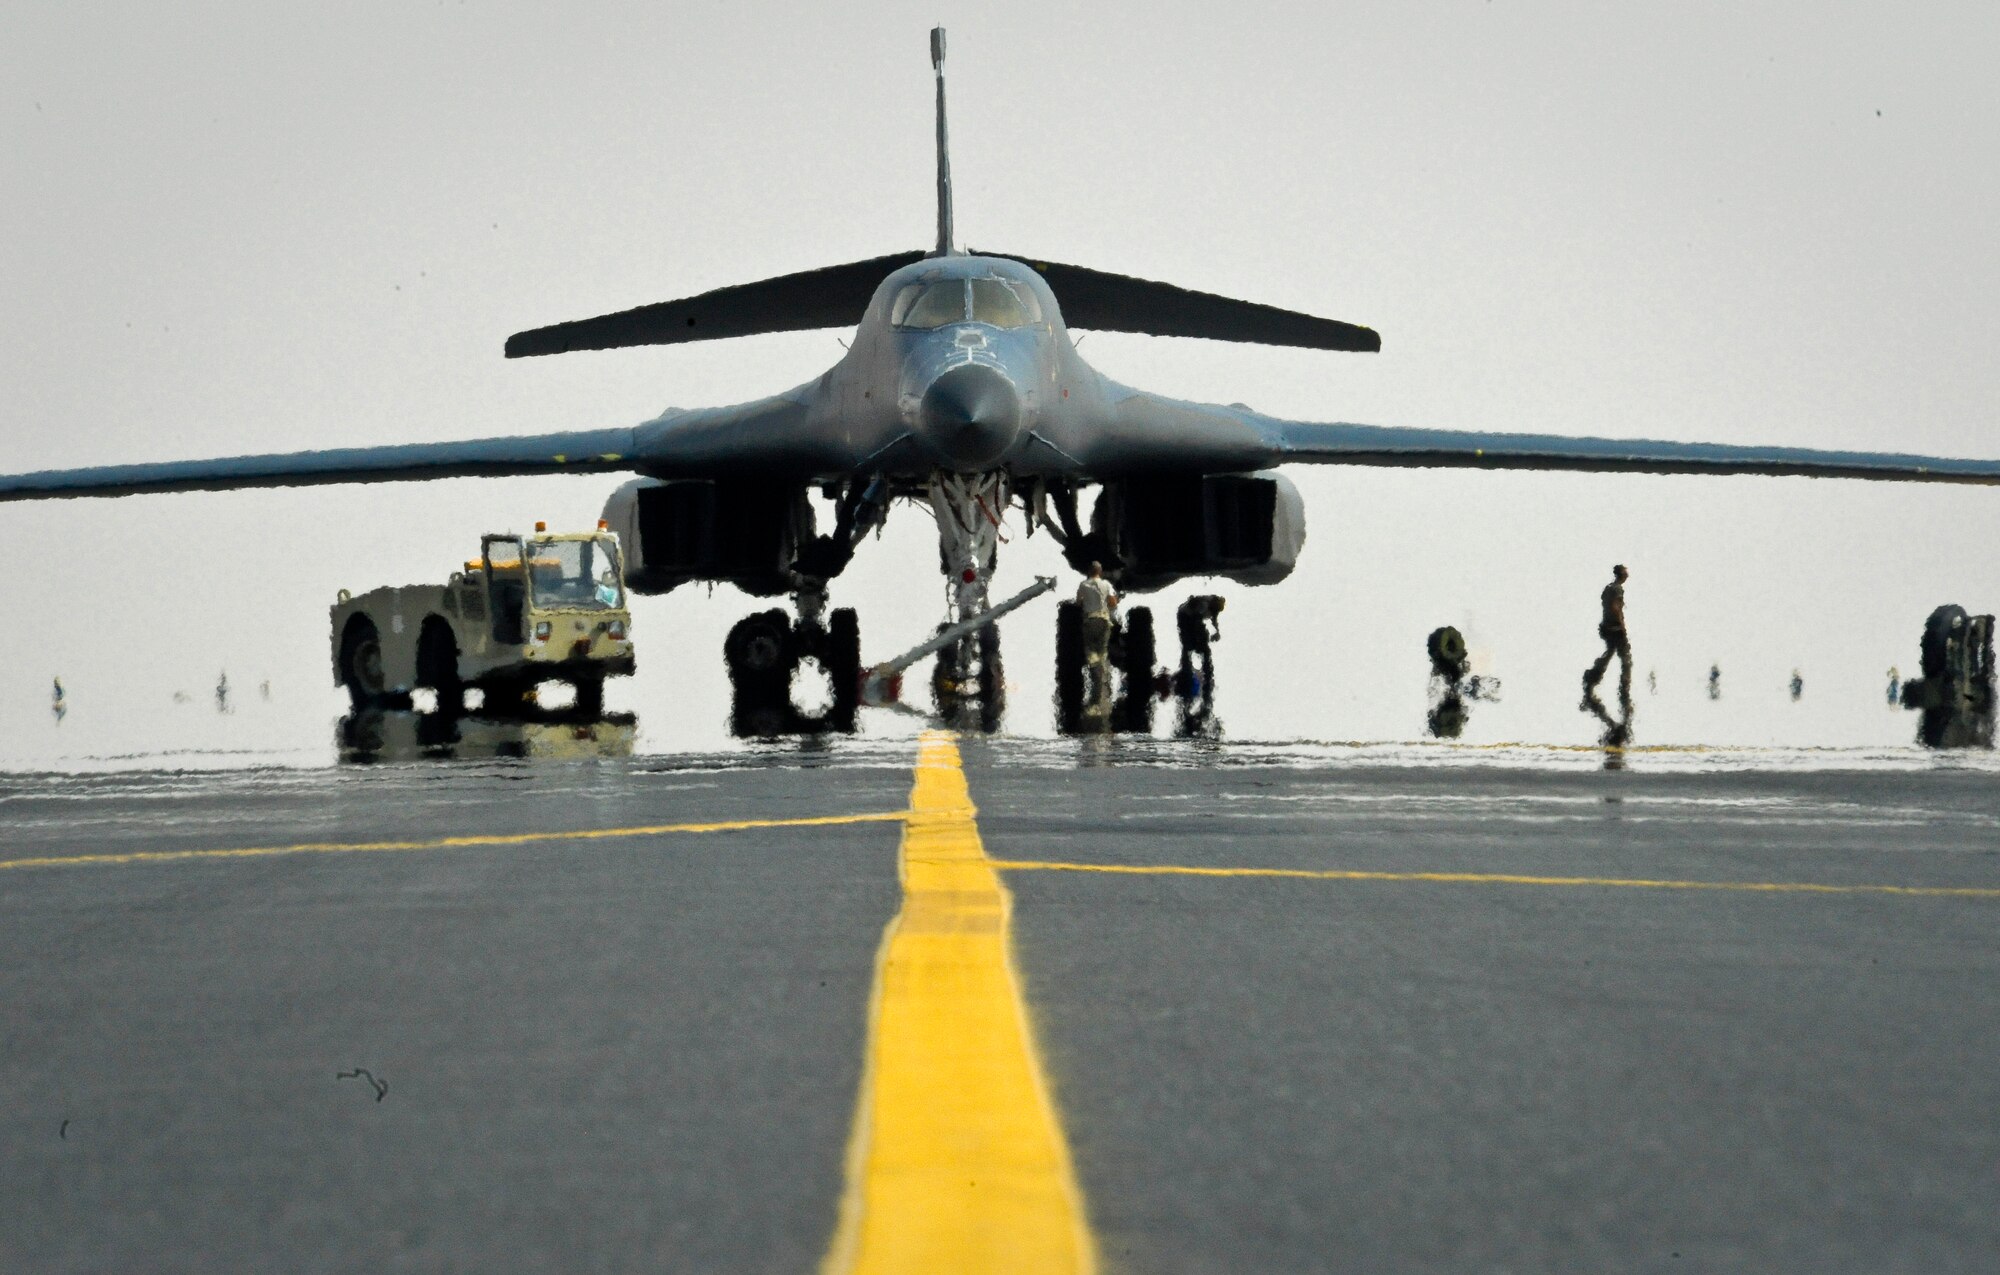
[883,684]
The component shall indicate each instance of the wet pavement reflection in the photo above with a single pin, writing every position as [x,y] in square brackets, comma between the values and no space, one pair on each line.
[370,737]
[798,688]
[803,680]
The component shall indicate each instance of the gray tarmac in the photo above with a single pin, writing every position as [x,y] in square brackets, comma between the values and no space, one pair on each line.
[643,1052]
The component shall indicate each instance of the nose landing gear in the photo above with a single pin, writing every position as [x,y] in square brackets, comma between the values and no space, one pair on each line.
[969,683]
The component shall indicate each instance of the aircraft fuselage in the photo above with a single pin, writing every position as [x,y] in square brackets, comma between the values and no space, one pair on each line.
[960,363]
[964,364]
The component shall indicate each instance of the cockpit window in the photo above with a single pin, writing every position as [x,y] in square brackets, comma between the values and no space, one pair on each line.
[1003,305]
[929,305]
[997,302]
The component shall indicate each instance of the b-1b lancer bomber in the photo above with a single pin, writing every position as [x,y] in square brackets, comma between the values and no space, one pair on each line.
[962,389]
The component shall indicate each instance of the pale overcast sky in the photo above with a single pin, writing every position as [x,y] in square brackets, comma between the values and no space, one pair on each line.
[244,228]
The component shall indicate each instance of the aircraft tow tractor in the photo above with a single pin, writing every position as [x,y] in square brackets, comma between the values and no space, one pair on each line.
[528,610]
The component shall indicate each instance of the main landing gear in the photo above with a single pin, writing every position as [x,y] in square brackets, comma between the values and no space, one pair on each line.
[1115,695]
[771,660]
[801,675]
[1956,691]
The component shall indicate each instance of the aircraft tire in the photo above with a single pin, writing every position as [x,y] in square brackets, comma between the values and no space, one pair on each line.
[1134,709]
[947,675]
[1070,674]
[762,653]
[992,679]
[843,665]
[760,646]
[1447,651]
[1937,641]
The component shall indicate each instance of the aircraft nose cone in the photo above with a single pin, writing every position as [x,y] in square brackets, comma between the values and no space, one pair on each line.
[971,415]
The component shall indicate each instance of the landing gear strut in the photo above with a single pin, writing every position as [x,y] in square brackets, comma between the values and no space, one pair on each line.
[968,677]
[766,652]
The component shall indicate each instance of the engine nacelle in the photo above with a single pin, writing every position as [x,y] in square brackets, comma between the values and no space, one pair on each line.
[744,532]
[1159,529]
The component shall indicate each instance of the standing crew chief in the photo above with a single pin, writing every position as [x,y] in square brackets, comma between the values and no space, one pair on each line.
[1098,602]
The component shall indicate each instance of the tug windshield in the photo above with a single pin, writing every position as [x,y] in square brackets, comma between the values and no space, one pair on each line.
[575,575]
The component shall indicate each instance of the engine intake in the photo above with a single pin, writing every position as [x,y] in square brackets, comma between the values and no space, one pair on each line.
[743,532]
[1156,530]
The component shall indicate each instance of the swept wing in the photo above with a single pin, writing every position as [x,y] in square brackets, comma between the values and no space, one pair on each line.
[546,453]
[1149,429]
[837,297]
[1344,444]
[764,436]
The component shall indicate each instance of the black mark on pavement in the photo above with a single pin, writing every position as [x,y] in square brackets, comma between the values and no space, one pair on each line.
[381,1087]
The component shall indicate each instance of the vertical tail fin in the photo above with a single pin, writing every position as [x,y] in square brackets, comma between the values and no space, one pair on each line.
[943,148]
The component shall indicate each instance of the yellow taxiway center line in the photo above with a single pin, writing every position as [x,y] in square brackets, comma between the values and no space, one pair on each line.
[1500,878]
[957,1161]
[450,843]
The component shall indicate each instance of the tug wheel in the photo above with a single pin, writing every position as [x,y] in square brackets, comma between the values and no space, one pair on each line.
[437,665]
[361,664]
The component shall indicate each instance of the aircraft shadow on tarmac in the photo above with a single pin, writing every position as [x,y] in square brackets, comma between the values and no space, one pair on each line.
[369,736]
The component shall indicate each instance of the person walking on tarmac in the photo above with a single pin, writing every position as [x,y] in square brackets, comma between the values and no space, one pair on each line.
[1612,629]
[1098,602]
